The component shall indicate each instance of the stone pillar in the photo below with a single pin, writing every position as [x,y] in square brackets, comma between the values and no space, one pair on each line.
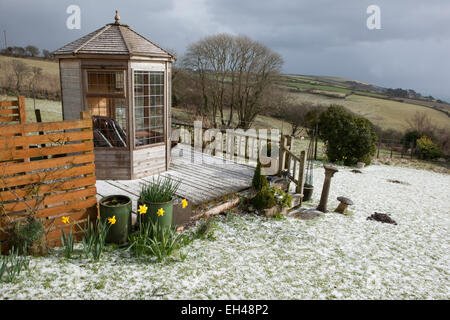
[329,172]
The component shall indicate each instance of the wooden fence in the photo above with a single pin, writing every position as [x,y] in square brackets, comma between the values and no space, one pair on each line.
[47,170]
[12,111]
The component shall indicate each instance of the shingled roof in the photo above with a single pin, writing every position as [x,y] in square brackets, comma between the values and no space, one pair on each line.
[115,39]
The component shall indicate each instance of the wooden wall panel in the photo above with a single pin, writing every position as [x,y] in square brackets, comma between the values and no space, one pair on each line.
[70,72]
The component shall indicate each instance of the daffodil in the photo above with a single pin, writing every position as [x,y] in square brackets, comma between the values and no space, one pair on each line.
[142,209]
[65,220]
[160,212]
[112,220]
[184,203]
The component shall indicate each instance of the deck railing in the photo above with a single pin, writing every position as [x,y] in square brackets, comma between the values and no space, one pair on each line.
[247,148]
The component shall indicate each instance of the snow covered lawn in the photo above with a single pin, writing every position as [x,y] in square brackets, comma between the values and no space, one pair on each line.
[333,257]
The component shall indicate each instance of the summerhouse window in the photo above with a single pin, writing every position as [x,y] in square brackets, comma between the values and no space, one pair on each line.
[149,107]
[106,100]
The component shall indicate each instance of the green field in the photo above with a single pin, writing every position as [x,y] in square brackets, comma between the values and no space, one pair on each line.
[385,113]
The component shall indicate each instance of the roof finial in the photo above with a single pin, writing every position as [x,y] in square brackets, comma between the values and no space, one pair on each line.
[117,18]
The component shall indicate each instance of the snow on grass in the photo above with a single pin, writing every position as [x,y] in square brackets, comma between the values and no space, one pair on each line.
[333,257]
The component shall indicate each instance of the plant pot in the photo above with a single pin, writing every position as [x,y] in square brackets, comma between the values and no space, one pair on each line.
[118,232]
[307,192]
[165,220]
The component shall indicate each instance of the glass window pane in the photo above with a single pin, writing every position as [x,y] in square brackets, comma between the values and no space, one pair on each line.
[149,107]
[109,121]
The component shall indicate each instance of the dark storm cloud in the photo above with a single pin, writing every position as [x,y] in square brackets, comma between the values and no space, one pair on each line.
[322,37]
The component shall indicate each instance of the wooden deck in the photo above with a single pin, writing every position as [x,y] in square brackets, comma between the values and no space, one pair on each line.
[203,177]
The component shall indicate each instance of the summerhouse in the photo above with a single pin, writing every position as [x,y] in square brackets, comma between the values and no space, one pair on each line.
[124,81]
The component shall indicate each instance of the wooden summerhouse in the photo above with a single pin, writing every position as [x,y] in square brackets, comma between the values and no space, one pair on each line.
[124,81]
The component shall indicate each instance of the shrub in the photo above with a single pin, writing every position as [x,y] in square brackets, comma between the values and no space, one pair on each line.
[428,149]
[259,180]
[29,237]
[264,199]
[347,137]
[410,139]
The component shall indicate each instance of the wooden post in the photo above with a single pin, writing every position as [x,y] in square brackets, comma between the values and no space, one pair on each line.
[289,143]
[299,187]
[246,155]
[287,161]
[85,115]
[282,155]
[22,119]
[22,111]
[316,137]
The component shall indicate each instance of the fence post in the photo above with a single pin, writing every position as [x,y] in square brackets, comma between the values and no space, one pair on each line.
[22,111]
[282,155]
[22,120]
[301,171]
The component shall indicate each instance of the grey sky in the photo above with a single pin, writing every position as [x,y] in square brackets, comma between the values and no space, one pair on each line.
[317,37]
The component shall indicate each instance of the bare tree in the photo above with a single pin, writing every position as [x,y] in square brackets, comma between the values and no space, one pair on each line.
[36,73]
[421,123]
[233,74]
[21,71]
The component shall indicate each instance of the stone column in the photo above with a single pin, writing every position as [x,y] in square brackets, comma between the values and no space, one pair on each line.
[329,172]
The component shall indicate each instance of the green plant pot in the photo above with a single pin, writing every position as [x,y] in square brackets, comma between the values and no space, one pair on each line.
[165,220]
[118,232]
[307,192]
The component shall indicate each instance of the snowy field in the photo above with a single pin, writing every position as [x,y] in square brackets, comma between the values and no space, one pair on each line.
[332,257]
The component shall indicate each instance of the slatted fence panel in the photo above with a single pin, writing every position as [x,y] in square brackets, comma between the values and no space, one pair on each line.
[59,179]
[12,111]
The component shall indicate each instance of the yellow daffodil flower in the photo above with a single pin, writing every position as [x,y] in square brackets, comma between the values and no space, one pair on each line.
[184,203]
[142,209]
[160,212]
[112,220]
[65,220]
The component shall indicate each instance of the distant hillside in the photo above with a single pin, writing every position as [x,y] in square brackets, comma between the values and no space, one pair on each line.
[362,98]
[373,102]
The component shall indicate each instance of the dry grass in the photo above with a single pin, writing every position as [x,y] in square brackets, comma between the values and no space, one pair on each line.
[50,67]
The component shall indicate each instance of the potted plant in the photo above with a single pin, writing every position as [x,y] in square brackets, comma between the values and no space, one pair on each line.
[156,201]
[117,207]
